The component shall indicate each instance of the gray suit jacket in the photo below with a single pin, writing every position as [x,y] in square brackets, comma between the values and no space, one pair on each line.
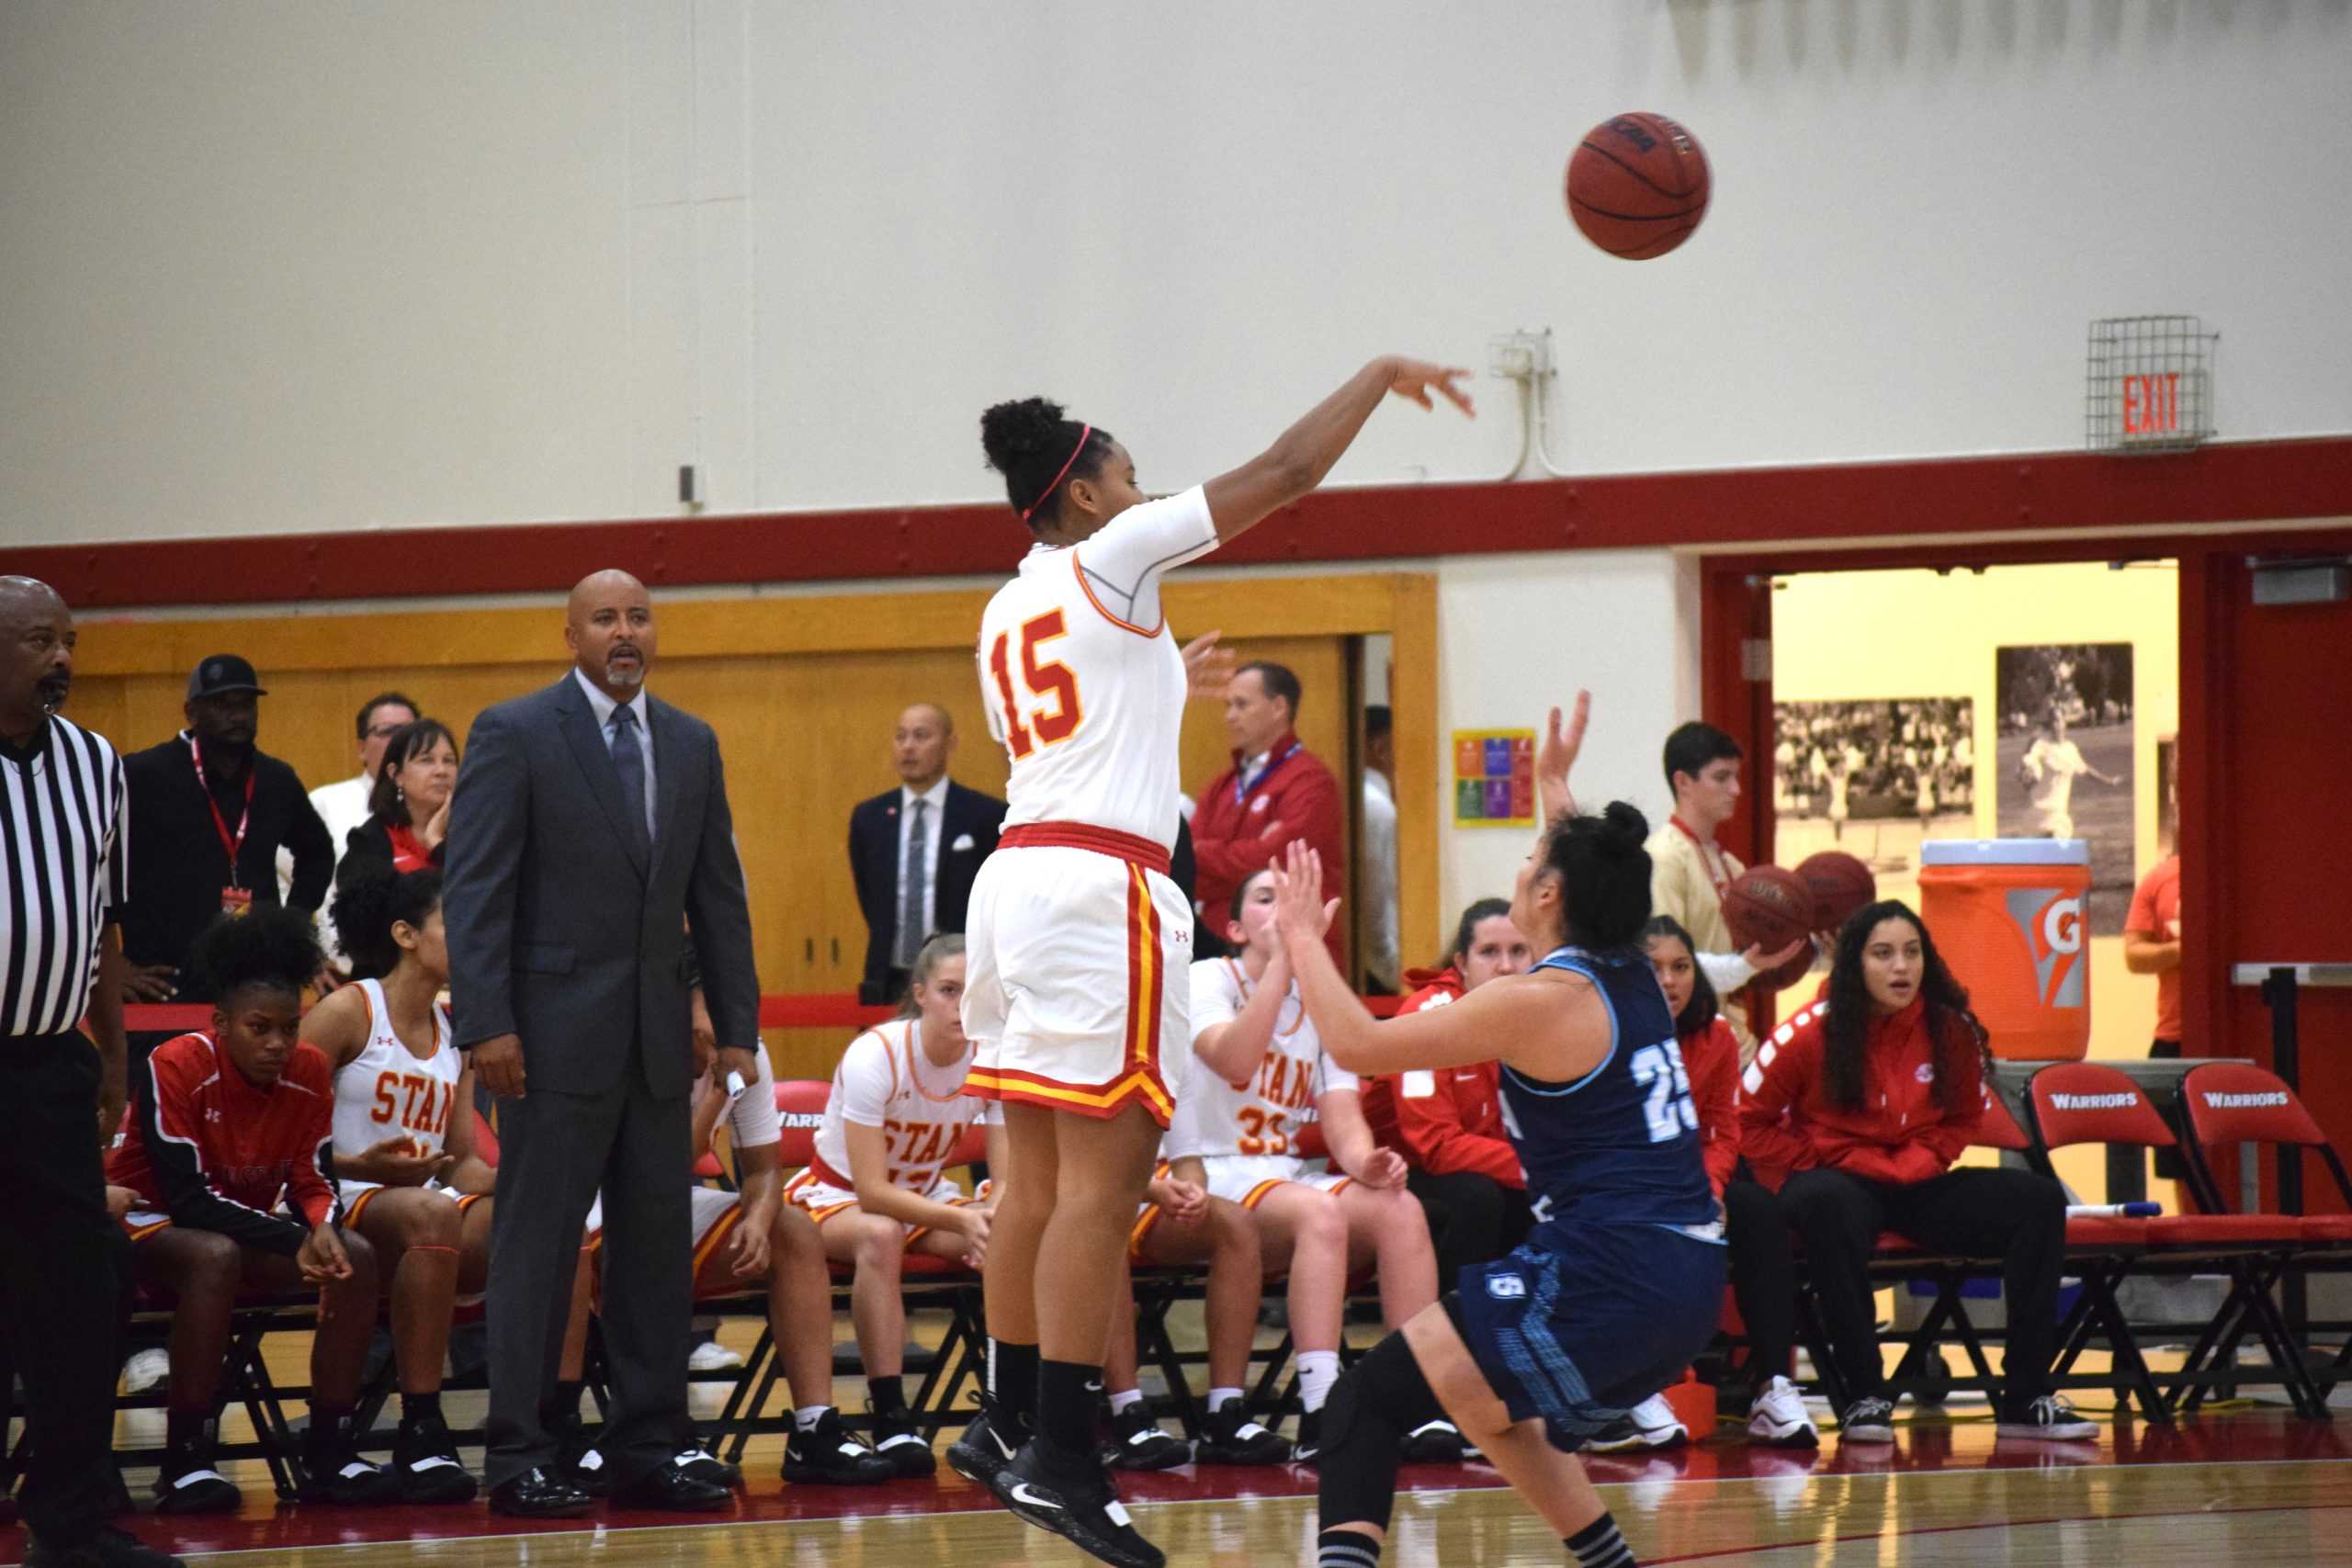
[561,928]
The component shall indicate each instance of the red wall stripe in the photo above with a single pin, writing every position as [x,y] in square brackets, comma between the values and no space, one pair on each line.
[2228,482]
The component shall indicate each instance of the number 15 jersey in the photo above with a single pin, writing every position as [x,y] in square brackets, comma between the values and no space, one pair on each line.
[1082,683]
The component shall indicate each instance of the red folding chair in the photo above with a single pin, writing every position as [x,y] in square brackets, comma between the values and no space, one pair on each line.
[2085,1102]
[2226,1103]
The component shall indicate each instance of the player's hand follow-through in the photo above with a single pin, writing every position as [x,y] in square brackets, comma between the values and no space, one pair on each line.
[1417,379]
[498,1065]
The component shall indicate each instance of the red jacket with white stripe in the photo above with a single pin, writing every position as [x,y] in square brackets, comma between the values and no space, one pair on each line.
[1898,1134]
[219,1154]
[1230,844]
[1711,1058]
[1448,1119]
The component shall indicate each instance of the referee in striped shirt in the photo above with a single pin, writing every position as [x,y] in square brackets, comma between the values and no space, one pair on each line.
[62,810]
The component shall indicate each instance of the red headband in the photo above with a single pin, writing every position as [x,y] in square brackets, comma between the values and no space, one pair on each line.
[1083,437]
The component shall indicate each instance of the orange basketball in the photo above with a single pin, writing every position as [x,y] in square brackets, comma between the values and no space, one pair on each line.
[1841,885]
[1767,907]
[1637,185]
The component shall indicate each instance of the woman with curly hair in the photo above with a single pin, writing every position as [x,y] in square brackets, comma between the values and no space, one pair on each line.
[1853,1112]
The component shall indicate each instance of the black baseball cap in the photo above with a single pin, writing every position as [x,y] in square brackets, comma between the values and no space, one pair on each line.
[223,673]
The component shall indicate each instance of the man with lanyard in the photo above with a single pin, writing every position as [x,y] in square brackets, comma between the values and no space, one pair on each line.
[1690,871]
[63,840]
[1276,792]
[209,812]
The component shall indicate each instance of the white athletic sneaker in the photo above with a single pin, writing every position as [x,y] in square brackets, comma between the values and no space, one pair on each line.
[146,1369]
[1649,1424]
[710,1356]
[1778,1417]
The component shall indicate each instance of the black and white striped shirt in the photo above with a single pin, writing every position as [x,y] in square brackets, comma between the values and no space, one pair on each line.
[64,844]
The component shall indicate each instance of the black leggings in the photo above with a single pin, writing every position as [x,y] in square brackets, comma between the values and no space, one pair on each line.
[2014,1215]
[1473,1218]
[1763,1274]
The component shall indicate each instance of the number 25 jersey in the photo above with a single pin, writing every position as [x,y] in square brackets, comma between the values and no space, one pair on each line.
[1083,684]
[1621,1145]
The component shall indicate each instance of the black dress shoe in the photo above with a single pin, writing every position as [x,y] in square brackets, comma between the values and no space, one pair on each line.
[539,1493]
[671,1490]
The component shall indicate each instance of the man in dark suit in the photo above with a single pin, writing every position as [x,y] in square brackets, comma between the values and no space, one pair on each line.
[589,831]
[915,849]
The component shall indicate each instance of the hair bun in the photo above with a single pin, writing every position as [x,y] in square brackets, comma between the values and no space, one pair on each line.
[1020,430]
[1623,826]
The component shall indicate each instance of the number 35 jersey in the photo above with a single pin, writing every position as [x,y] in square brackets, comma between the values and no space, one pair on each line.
[1620,1146]
[1083,684]
[1213,1118]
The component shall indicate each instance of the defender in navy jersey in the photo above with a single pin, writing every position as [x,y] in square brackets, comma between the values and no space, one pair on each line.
[1620,1282]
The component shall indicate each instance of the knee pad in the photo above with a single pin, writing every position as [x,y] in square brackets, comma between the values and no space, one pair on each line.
[1374,1403]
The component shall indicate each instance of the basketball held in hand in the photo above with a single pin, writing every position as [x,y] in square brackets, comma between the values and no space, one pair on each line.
[1841,886]
[1788,974]
[1767,907]
[1637,185]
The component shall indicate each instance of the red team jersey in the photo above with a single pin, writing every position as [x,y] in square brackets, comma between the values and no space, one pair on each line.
[216,1153]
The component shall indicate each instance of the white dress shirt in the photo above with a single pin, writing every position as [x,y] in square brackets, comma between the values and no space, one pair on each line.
[604,709]
[934,814]
[1379,890]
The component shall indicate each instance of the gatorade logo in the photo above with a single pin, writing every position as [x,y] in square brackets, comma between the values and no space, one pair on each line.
[2245,1101]
[2095,1101]
[2051,925]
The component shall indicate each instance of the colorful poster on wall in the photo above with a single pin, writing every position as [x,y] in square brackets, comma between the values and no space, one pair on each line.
[1494,778]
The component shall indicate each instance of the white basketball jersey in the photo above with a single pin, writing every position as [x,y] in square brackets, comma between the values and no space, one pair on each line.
[385,1092]
[1213,1118]
[1082,683]
[885,1081]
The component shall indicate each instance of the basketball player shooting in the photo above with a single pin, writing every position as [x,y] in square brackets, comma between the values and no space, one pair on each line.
[1620,1282]
[1079,944]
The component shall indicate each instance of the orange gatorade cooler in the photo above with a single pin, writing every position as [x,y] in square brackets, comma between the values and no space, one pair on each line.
[2008,916]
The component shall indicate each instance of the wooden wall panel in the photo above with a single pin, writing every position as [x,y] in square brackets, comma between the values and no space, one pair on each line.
[804,692]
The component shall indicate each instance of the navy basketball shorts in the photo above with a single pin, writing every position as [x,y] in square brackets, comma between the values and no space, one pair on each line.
[1581,1325]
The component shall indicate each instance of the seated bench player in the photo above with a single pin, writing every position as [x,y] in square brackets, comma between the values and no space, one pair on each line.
[223,1152]
[1180,1223]
[1259,1074]
[878,1189]
[404,1151]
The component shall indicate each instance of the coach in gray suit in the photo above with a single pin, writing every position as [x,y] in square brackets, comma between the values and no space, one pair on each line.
[589,830]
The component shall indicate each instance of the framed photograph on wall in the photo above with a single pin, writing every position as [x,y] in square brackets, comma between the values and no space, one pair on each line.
[2066,757]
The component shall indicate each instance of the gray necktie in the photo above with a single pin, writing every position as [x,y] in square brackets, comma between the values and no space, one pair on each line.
[911,921]
[628,758]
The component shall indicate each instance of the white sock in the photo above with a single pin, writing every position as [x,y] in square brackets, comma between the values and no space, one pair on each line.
[1120,1402]
[1219,1397]
[1317,1371]
[805,1419]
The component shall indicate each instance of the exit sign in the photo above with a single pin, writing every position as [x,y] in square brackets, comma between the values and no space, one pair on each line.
[2148,386]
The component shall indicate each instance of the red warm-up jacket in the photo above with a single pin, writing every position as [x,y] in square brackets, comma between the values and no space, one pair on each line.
[1448,1119]
[1230,841]
[1899,1134]
[1711,1058]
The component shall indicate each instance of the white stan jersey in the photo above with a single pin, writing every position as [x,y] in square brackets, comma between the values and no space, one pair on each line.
[1213,1118]
[1082,683]
[885,1081]
[385,1092]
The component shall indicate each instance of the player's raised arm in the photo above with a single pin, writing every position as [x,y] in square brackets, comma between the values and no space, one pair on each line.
[1302,455]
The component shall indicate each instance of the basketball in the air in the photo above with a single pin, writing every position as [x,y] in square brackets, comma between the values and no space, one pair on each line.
[1637,185]
[1840,885]
[1767,907]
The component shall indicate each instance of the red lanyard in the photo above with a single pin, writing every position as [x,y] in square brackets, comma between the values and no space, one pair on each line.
[231,842]
[1709,857]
